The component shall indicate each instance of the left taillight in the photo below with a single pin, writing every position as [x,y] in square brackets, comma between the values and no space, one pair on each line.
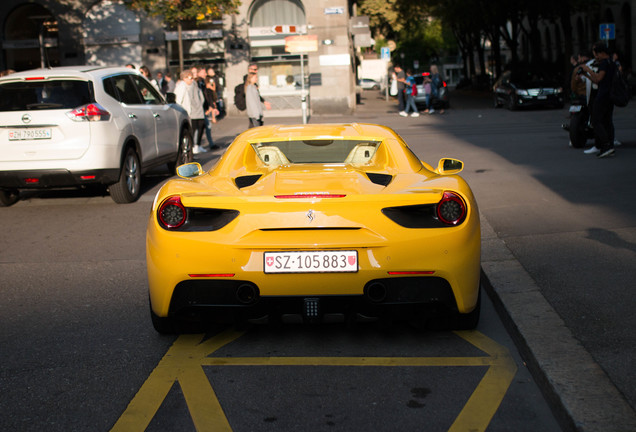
[171,213]
[89,112]
[451,210]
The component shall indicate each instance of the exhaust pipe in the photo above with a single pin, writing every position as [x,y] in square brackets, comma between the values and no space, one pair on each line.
[376,292]
[247,294]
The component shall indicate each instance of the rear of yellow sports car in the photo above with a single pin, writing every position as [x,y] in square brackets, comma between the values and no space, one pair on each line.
[270,232]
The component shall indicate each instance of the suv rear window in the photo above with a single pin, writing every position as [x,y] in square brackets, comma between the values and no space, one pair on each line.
[40,95]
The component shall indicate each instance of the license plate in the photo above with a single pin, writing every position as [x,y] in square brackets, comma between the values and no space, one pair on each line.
[542,97]
[575,108]
[311,262]
[29,134]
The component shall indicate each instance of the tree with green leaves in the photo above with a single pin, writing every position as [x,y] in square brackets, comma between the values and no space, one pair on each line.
[176,12]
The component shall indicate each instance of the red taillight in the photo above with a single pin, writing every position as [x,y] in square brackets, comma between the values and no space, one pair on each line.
[315,195]
[34,78]
[172,214]
[423,272]
[90,112]
[31,180]
[451,209]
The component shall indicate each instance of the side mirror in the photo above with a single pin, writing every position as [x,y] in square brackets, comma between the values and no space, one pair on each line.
[171,98]
[189,170]
[449,166]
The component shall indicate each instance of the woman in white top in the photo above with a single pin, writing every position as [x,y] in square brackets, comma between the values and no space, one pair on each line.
[190,97]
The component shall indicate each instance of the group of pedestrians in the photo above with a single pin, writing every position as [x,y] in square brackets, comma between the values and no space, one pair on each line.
[196,92]
[407,90]
[592,79]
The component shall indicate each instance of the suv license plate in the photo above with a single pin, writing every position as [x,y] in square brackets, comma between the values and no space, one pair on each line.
[311,262]
[29,134]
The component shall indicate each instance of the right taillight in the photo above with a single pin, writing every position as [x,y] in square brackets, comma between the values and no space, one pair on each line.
[89,112]
[451,210]
[172,214]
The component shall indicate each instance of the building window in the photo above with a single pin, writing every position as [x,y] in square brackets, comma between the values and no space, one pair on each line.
[268,13]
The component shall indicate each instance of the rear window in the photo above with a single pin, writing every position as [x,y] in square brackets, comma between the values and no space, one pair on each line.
[42,95]
[316,151]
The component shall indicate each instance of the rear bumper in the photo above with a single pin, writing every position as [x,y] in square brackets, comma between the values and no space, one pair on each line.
[56,178]
[396,298]
[535,101]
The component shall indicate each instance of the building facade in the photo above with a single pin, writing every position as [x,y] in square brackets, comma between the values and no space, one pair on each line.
[46,33]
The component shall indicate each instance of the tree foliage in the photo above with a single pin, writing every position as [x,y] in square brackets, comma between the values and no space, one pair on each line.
[474,25]
[178,11]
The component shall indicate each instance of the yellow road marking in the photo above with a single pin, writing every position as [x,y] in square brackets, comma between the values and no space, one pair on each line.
[185,359]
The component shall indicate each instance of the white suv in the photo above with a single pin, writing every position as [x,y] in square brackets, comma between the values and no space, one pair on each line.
[76,126]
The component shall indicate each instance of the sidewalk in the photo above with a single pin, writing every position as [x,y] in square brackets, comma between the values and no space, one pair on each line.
[584,397]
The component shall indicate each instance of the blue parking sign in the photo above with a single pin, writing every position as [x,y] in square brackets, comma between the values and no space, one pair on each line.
[386,53]
[607,31]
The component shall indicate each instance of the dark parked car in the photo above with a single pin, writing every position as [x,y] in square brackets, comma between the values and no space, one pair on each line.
[520,89]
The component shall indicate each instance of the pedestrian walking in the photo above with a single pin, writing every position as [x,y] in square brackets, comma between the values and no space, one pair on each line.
[190,97]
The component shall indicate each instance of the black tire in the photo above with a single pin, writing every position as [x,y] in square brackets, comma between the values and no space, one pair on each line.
[163,325]
[511,104]
[128,188]
[9,197]
[468,321]
[185,154]
[577,131]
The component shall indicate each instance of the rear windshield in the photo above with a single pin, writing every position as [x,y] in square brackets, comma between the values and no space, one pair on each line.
[316,151]
[38,95]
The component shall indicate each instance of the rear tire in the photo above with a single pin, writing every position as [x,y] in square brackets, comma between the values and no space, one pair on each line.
[163,325]
[511,104]
[128,188]
[185,154]
[9,197]
[467,321]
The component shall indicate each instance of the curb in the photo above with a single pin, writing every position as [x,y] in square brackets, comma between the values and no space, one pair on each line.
[581,394]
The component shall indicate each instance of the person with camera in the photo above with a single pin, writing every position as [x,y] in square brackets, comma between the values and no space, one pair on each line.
[602,108]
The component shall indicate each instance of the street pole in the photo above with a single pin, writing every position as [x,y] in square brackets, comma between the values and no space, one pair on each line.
[303,95]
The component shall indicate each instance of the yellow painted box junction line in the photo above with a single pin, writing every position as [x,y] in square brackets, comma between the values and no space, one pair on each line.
[185,359]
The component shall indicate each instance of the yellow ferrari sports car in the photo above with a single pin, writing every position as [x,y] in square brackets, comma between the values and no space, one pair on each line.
[315,223]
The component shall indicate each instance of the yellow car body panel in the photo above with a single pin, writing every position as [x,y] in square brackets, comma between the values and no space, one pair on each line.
[315,207]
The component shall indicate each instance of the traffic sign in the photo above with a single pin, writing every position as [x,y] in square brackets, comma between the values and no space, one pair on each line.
[301,44]
[385,53]
[607,31]
[285,29]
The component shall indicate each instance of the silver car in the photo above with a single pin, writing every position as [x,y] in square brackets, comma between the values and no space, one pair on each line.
[76,126]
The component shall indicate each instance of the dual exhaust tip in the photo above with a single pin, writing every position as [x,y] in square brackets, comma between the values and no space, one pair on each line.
[247,294]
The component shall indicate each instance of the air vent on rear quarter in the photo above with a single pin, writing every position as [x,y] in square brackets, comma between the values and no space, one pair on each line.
[245,181]
[380,179]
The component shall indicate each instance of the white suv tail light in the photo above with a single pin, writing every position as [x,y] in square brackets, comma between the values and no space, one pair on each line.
[89,112]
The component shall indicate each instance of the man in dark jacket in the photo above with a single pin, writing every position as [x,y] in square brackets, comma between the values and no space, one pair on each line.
[603,108]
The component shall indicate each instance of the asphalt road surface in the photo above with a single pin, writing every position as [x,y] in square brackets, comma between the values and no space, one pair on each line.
[79,353]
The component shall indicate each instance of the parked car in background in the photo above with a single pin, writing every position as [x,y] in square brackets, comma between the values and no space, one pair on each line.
[523,88]
[369,84]
[85,125]
[440,102]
